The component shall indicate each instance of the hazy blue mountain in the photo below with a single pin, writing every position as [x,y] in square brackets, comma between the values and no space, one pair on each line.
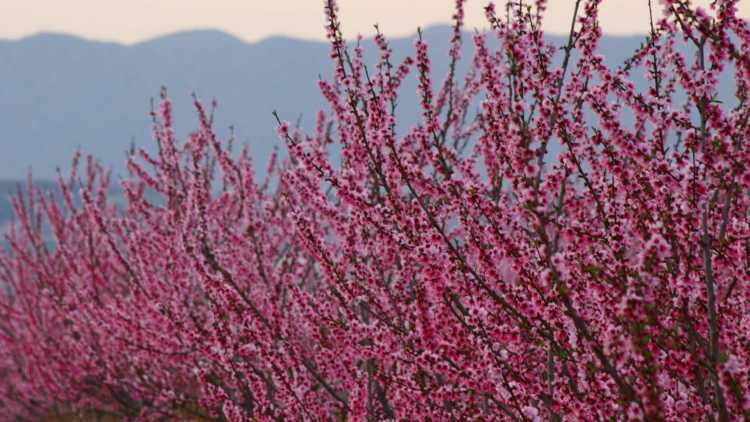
[59,92]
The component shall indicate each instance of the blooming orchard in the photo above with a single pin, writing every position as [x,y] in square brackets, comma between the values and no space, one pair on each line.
[453,269]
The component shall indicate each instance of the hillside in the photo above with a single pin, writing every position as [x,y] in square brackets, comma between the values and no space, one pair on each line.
[61,92]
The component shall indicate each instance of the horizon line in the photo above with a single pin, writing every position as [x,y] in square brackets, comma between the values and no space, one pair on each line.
[250,41]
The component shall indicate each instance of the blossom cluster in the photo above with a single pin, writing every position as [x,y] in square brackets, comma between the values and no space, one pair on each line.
[545,242]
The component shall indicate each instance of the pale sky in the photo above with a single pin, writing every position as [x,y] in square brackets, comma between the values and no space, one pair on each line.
[130,21]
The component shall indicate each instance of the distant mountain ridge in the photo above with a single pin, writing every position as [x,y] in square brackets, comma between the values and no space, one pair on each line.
[59,92]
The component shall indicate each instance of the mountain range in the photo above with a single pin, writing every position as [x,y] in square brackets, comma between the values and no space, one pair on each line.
[59,93]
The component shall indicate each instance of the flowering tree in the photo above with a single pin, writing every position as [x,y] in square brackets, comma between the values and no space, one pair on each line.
[454,271]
